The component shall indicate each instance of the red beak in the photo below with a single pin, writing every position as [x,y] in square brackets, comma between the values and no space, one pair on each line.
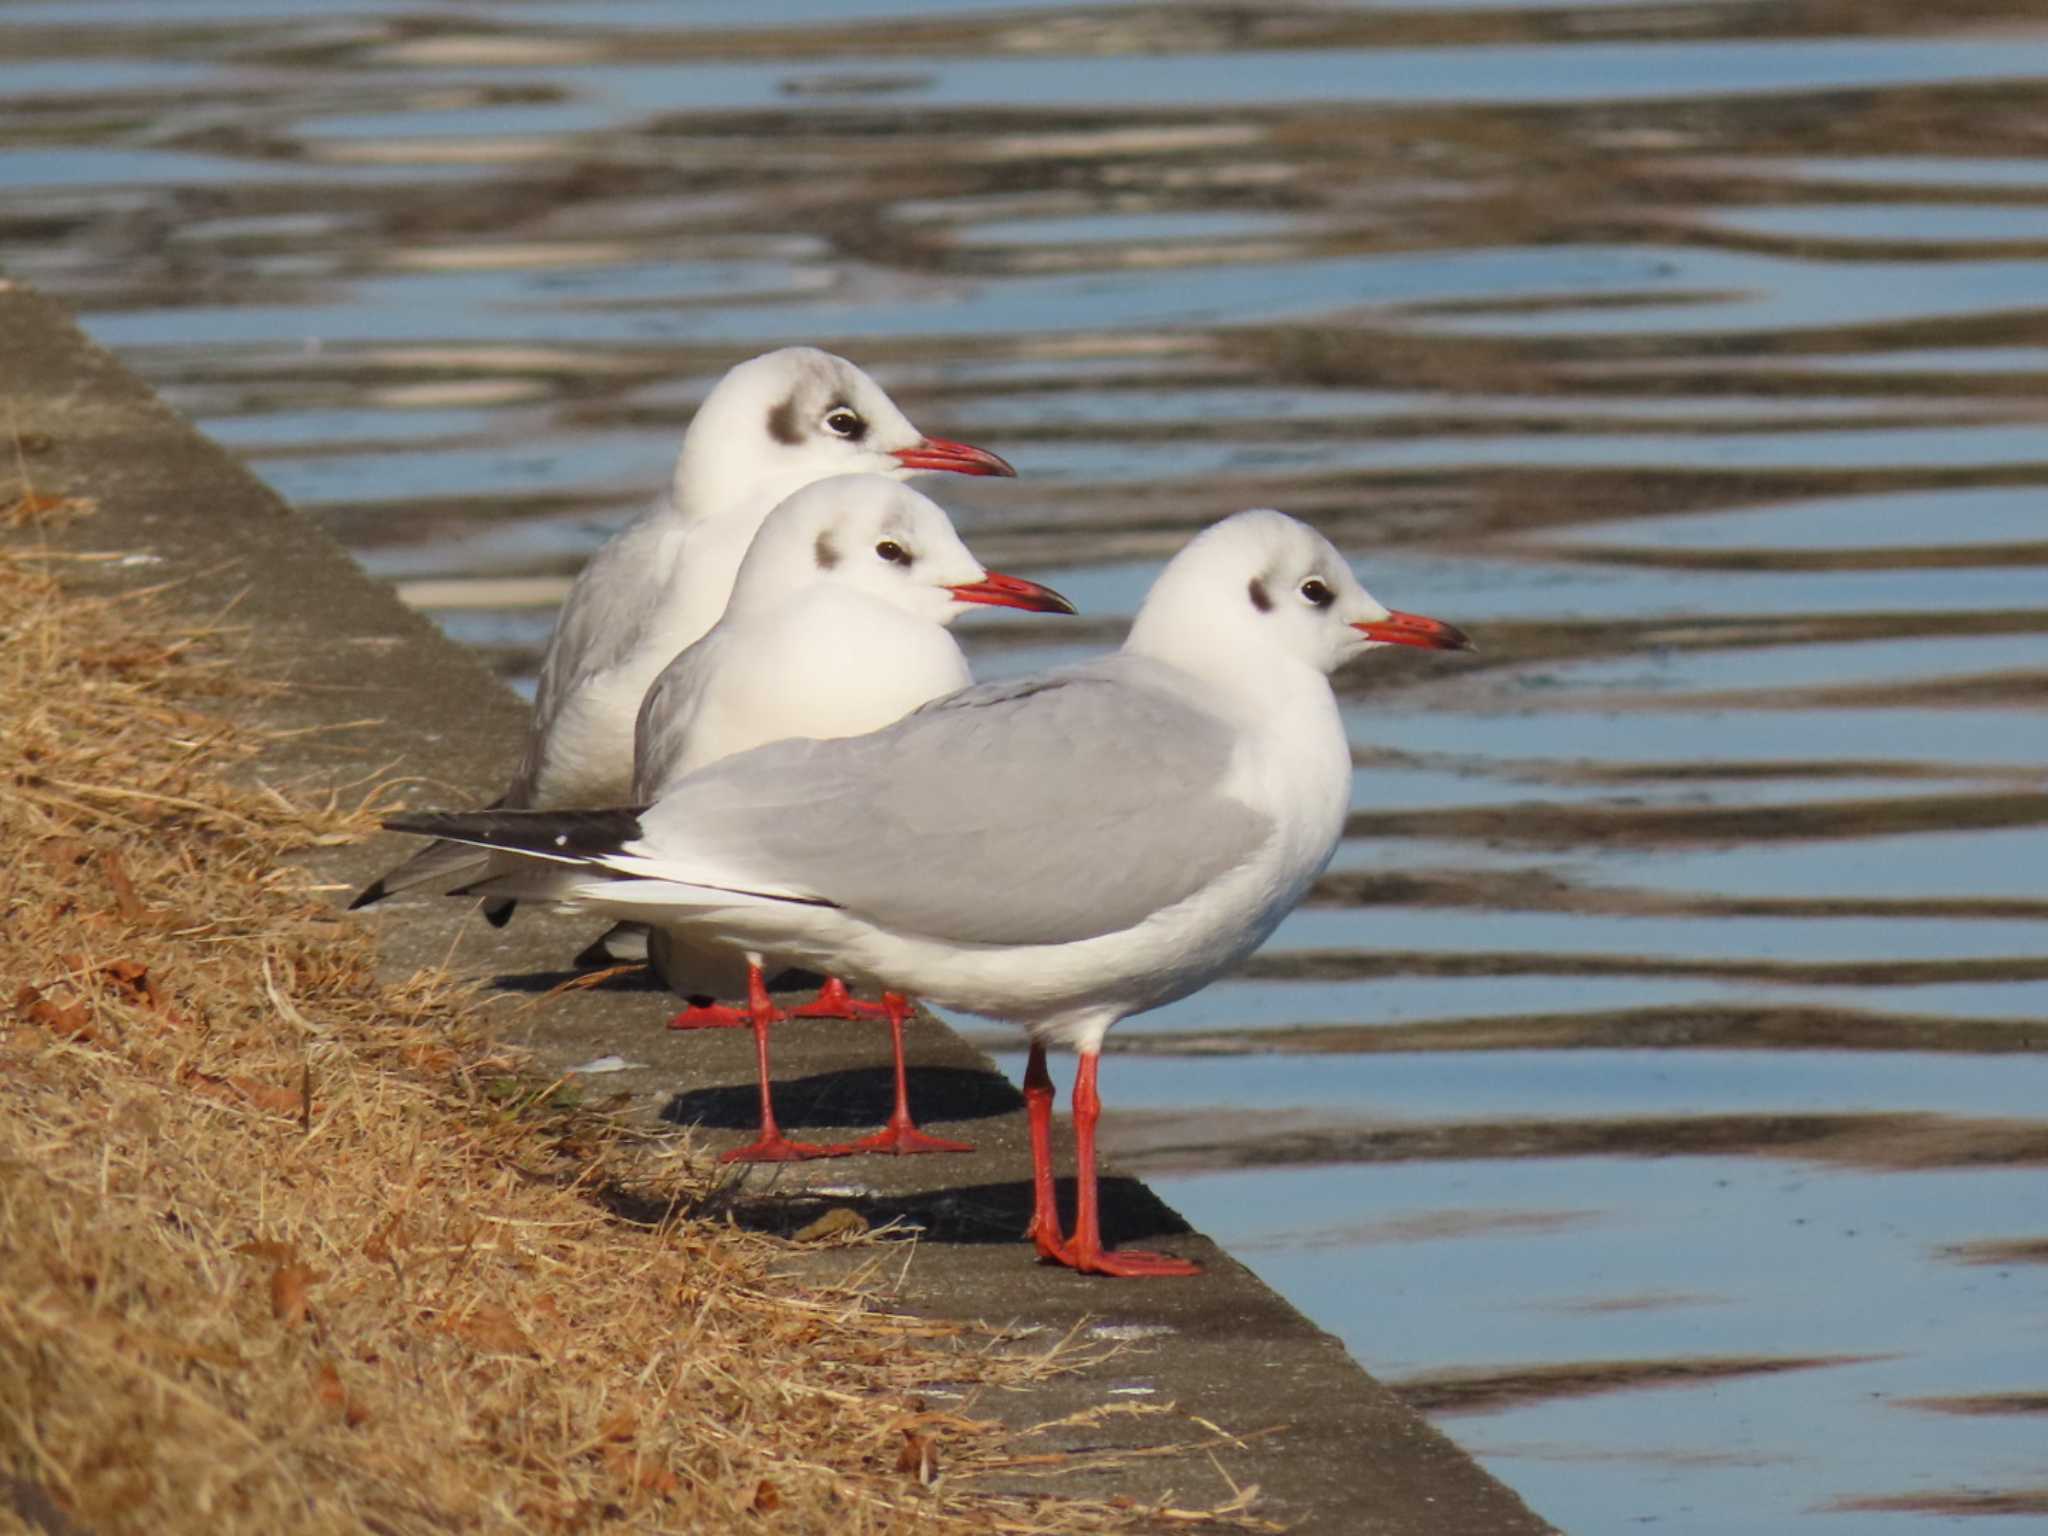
[1399,628]
[1000,591]
[957,458]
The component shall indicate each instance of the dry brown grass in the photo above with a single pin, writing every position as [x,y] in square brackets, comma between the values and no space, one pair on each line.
[285,1249]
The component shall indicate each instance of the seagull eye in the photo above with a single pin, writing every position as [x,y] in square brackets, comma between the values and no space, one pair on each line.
[893,552]
[842,422]
[1318,592]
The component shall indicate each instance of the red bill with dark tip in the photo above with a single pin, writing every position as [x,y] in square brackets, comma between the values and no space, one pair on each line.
[1000,591]
[936,453]
[1399,628]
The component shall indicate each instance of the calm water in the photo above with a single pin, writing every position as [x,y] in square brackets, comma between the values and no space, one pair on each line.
[1655,1088]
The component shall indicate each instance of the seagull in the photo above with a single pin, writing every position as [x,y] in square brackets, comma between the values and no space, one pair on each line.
[835,627]
[1060,851]
[771,426]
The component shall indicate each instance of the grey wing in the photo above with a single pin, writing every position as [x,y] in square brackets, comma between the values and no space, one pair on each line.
[661,733]
[608,605]
[1048,811]
[441,864]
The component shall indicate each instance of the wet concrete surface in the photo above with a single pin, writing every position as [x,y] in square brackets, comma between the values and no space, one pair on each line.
[382,693]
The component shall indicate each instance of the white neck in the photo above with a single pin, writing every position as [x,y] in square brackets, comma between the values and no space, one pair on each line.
[1252,677]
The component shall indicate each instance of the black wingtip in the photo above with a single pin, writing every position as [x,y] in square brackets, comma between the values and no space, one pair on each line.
[499,913]
[374,891]
[425,824]
[555,834]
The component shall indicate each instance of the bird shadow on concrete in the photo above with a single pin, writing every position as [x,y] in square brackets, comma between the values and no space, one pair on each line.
[851,1099]
[845,1103]
[967,1214]
[855,1101]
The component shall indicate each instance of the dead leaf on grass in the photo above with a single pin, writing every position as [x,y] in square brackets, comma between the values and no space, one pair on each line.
[272,1097]
[919,1457]
[132,978]
[67,1021]
[33,508]
[62,853]
[290,1281]
[378,1246]
[494,1330]
[429,1058]
[327,1385]
[290,1287]
[126,903]
[840,1221]
[659,1480]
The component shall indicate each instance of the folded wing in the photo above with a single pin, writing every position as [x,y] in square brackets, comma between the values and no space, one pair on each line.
[1007,814]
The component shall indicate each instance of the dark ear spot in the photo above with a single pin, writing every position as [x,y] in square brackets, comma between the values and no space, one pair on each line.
[1261,598]
[782,424]
[826,551]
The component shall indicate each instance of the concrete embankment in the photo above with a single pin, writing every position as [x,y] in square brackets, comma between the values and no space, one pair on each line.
[377,692]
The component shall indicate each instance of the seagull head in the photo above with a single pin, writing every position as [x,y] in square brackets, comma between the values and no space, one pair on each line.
[1260,586]
[874,535]
[779,421]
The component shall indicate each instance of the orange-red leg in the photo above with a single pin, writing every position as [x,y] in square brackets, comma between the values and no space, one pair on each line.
[771,1146]
[1045,1232]
[901,1135]
[1084,1251]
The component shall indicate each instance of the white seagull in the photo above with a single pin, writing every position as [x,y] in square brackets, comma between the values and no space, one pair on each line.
[835,627]
[1061,851]
[771,426]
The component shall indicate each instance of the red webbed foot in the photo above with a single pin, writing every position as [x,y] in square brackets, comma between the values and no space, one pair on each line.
[714,1016]
[1120,1263]
[905,1139]
[835,1002]
[777,1148]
